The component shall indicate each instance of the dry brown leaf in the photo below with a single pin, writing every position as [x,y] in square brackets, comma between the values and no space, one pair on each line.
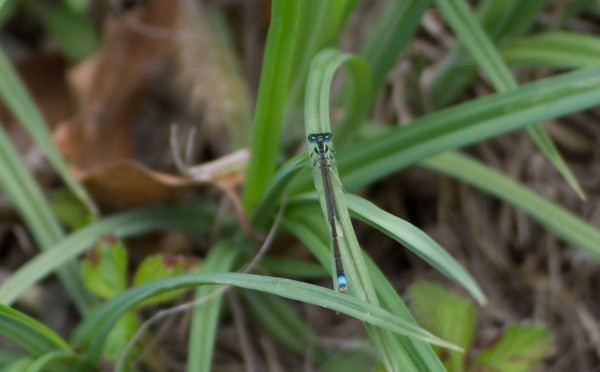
[111,86]
[128,184]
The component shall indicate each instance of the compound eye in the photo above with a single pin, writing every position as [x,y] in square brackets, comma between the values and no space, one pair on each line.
[312,137]
[327,136]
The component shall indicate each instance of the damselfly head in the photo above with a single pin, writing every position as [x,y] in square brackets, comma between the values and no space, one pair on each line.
[319,137]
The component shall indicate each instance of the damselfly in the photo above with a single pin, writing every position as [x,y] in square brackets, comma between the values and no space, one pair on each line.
[323,157]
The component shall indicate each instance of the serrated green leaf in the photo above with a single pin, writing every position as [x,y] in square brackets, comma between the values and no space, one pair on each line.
[105,268]
[68,209]
[120,335]
[521,348]
[446,313]
[161,266]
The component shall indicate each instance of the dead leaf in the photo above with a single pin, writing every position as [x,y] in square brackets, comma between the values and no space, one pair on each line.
[111,86]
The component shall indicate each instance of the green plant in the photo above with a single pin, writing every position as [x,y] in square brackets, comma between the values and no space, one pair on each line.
[520,347]
[299,53]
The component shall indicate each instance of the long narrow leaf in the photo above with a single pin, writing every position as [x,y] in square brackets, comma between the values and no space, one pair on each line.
[397,22]
[19,185]
[205,318]
[417,241]
[183,217]
[30,334]
[465,124]
[475,40]
[554,49]
[91,334]
[410,354]
[502,19]
[272,96]
[561,222]
[18,100]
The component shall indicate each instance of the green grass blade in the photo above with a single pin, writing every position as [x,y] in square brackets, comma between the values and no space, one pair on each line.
[397,23]
[27,197]
[292,268]
[409,354]
[17,99]
[19,365]
[322,70]
[554,49]
[508,18]
[280,319]
[317,121]
[205,318]
[182,217]
[556,219]
[465,124]
[91,334]
[417,241]
[321,25]
[30,334]
[271,100]
[8,357]
[54,361]
[265,208]
[502,19]
[473,37]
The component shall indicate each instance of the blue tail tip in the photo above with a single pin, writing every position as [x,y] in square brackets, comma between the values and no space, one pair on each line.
[341,281]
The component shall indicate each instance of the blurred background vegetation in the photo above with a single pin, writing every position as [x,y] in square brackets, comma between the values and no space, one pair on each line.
[110,77]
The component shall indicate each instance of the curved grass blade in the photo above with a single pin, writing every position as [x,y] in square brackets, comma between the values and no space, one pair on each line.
[21,188]
[561,222]
[321,25]
[409,354]
[475,40]
[417,241]
[465,124]
[91,334]
[333,202]
[180,217]
[318,87]
[18,100]
[30,334]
